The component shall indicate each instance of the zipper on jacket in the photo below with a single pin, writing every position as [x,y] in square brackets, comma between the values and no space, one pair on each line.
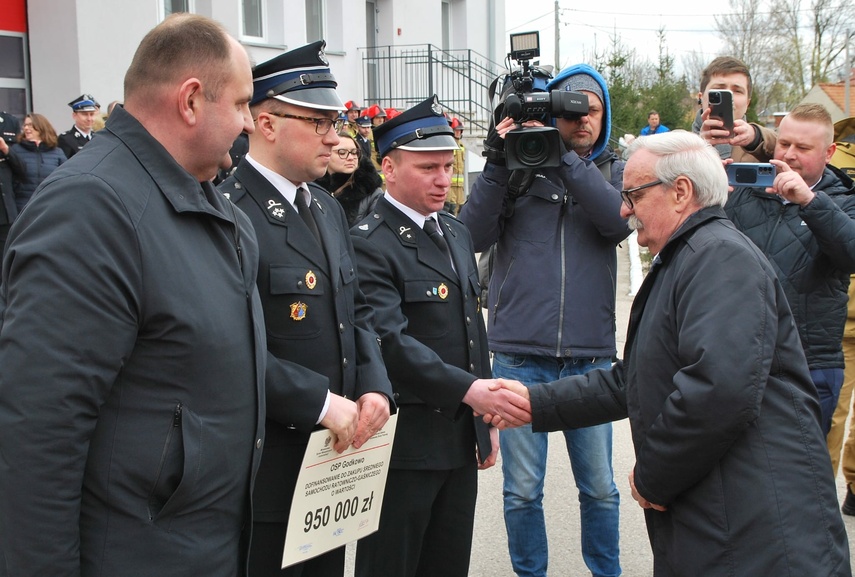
[771,234]
[501,287]
[236,235]
[562,298]
[176,424]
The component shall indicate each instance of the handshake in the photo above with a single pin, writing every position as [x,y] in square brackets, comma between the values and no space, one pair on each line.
[501,402]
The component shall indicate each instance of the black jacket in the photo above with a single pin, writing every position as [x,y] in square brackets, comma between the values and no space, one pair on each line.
[321,340]
[724,415]
[434,343]
[812,249]
[357,193]
[38,161]
[72,141]
[11,169]
[129,299]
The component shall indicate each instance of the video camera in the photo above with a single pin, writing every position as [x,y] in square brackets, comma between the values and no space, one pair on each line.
[523,97]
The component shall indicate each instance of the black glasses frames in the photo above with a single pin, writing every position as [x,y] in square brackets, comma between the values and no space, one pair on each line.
[627,195]
[322,125]
[344,153]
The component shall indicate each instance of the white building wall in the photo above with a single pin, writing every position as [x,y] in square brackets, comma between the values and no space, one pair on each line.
[81,46]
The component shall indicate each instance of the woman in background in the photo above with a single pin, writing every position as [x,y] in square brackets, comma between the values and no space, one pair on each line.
[352,179]
[36,149]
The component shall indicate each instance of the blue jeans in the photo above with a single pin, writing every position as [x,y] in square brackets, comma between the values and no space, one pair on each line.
[524,467]
[828,383]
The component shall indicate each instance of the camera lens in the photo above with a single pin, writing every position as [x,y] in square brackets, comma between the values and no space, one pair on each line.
[746,176]
[532,149]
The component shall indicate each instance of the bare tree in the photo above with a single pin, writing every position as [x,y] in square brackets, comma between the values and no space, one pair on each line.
[830,20]
[748,33]
[811,42]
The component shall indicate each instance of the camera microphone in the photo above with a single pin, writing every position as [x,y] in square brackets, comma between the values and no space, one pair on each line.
[513,106]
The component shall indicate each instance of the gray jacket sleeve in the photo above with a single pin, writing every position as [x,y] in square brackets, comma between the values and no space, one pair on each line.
[70,304]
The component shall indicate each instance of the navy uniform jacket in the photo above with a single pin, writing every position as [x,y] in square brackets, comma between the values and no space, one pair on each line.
[434,342]
[310,311]
[71,141]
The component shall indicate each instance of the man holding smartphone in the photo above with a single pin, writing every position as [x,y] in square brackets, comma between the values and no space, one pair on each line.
[747,142]
[805,225]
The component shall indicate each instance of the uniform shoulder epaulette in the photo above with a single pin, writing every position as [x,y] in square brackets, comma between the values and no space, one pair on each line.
[316,188]
[368,225]
[450,216]
[232,189]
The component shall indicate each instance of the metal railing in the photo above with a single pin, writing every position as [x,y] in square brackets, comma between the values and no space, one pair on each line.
[402,76]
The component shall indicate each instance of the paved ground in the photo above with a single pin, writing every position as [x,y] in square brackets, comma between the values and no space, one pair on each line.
[489,551]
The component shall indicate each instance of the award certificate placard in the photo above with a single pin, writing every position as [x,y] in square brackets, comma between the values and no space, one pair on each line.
[338,496]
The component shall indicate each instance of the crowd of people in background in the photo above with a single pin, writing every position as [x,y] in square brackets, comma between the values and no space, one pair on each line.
[337,243]
[31,150]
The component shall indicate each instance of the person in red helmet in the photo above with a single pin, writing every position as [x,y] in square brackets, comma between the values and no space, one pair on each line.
[376,114]
[352,112]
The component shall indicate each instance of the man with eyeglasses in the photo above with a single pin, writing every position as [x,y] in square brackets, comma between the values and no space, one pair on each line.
[325,350]
[731,468]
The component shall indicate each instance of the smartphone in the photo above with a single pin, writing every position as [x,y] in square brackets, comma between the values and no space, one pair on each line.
[721,107]
[761,175]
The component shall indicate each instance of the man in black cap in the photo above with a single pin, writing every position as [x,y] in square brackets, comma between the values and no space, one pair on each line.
[84,110]
[417,268]
[364,137]
[10,168]
[309,292]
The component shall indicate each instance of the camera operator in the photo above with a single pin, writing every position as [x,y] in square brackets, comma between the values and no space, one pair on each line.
[559,226]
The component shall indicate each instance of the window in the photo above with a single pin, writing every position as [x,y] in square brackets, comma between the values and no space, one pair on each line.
[315,20]
[14,81]
[253,19]
[176,6]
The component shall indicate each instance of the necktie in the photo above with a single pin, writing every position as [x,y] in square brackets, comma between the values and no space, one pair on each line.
[433,232]
[306,213]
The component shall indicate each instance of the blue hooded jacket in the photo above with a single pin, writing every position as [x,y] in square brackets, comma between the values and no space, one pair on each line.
[552,291]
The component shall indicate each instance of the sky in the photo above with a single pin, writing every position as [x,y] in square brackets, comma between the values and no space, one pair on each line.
[585,28]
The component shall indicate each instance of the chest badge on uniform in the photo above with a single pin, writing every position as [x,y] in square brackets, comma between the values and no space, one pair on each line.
[311,280]
[441,291]
[298,311]
[276,210]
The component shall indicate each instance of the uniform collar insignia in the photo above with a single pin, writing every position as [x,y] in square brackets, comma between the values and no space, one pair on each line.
[406,234]
[275,209]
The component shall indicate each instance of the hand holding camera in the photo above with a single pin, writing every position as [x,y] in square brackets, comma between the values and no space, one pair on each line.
[494,144]
[522,95]
[790,185]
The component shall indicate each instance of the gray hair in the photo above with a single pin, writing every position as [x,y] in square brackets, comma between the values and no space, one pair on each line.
[682,153]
